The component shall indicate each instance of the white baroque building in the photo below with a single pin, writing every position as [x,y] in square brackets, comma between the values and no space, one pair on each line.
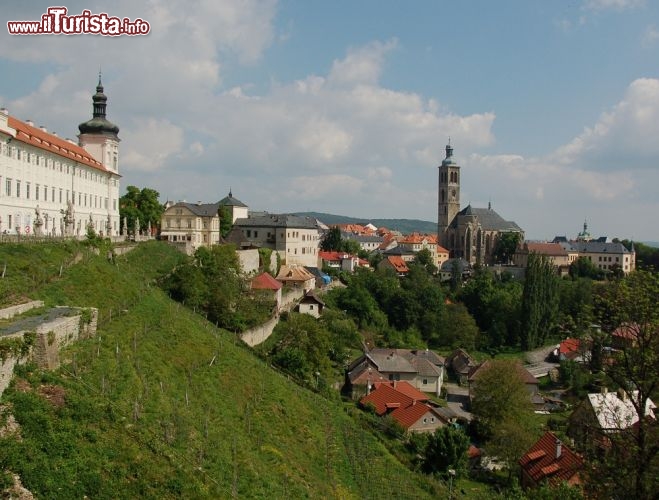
[54,186]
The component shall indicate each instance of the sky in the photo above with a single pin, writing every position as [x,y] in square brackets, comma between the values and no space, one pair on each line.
[345,107]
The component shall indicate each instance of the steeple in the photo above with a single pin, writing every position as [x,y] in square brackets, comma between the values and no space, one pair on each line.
[99,125]
[449,154]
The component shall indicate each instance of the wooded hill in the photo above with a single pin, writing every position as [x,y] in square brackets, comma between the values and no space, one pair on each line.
[162,404]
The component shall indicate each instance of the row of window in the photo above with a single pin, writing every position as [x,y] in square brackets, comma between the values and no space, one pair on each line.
[41,193]
[32,158]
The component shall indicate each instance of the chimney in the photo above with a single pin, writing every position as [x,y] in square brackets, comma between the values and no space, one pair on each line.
[43,129]
[559,449]
[30,123]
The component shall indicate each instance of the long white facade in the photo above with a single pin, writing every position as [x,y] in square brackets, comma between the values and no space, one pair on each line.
[53,186]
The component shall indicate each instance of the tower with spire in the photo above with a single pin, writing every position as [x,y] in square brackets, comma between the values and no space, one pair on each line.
[449,194]
[99,136]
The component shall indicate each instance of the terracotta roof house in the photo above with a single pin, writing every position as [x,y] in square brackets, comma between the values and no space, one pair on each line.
[338,260]
[603,414]
[296,277]
[311,304]
[265,283]
[550,461]
[396,263]
[423,369]
[406,405]
[557,254]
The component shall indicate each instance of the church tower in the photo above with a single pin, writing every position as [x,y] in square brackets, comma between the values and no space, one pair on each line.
[449,194]
[98,135]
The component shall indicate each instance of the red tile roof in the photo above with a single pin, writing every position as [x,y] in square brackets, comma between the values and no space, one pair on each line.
[405,388]
[333,256]
[569,345]
[265,281]
[410,415]
[546,248]
[398,263]
[48,142]
[540,463]
[627,332]
[398,394]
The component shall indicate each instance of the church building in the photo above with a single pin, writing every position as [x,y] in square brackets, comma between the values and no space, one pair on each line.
[50,186]
[471,233]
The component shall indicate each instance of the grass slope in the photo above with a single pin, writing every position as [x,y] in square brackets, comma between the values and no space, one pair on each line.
[161,404]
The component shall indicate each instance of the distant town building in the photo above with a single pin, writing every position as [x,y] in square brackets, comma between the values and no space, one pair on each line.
[237,208]
[190,225]
[295,238]
[470,233]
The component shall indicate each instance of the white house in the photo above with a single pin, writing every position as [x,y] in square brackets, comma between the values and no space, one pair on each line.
[55,186]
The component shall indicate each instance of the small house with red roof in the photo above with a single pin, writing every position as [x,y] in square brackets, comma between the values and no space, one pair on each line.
[406,405]
[395,262]
[549,461]
[266,284]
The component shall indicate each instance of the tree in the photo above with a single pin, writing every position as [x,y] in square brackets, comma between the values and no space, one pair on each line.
[539,315]
[505,247]
[331,240]
[424,258]
[631,467]
[499,394]
[226,221]
[583,267]
[142,205]
[446,449]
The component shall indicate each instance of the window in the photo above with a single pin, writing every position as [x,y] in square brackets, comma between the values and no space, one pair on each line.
[73,197]
[36,192]
[425,381]
[18,189]
[27,190]
[311,307]
[249,233]
[256,234]
[60,194]
[8,188]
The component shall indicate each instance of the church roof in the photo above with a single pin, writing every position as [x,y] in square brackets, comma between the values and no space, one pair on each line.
[99,124]
[488,219]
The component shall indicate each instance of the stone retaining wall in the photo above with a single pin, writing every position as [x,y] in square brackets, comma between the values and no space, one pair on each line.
[10,312]
[51,337]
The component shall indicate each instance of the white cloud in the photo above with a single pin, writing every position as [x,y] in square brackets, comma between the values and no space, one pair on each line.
[612,4]
[650,36]
[150,143]
[361,65]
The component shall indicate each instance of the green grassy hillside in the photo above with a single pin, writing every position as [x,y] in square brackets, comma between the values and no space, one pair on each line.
[161,404]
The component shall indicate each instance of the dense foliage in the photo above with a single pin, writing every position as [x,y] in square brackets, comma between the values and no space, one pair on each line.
[212,284]
[140,206]
[539,316]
